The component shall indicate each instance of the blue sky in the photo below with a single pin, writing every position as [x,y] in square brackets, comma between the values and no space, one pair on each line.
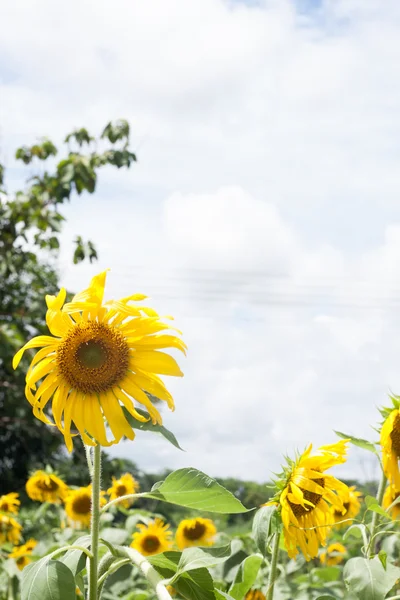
[264,211]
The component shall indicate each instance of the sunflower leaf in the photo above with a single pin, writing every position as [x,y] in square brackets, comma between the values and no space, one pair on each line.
[195,585]
[367,579]
[149,426]
[195,558]
[47,580]
[245,576]
[372,504]
[361,443]
[193,489]
[75,560]
[266,522]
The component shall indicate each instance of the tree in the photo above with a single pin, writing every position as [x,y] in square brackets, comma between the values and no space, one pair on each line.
[30,226]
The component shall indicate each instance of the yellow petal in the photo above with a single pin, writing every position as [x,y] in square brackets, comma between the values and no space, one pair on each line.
[156,362]
[36,342]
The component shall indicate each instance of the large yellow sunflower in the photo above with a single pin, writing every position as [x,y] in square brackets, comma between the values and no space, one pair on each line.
[153,538]
[195,532]
[390,442]
[126,484]
[351,507]
[22,553]
[306,495]
[9,503]
[10,530]
[103,355]
[391,494]
[333,555]
[78,506]
[46,487]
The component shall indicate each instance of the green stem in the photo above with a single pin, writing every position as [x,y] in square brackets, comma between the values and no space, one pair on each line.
[274,564]
[375,516]
[94,547]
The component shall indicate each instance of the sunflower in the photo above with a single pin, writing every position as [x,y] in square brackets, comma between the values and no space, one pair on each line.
[391,494]
[102,356]
[390,442]
[333,555]
[351,506]
[78,505]
[9,503]
[305,496]
[195,532]
[126,484]
[254,595]
[10,530]
[153,538]
[22,553]
[46,487]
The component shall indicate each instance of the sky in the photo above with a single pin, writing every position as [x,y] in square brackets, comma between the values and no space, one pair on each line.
[263,212]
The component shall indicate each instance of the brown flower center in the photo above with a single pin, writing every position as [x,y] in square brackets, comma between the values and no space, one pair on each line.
[151,543]
[121,490]
[47,485]
[395,436]
[4,507]
[82,505]
[93,357]
[298,510]
[346,506]
[195,532]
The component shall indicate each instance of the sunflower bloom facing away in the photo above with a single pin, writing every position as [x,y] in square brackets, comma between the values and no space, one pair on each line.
[102,357]
[391,494]
[22,554]
[390,442]
[351,507]
[306,496]
[10,530]
[195,532]
[78,506]
[333,555]
[46,487]
[254,595]
[9,503]
[153,538]
[126,484]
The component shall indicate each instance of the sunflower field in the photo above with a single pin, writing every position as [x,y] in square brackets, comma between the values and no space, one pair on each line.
[96,379]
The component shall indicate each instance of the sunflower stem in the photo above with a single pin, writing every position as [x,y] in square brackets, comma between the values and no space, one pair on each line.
[274,564]
[94,530]
[375,516]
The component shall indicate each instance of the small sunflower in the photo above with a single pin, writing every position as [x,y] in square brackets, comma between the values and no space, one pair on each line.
[9,503]
[78,505]
[254,595]
[126,484]
[391,494]
[195,532]
[22,553]
[102,356]
[390,442]
[306,495]
[46,487]
[351,507]
[153,538]
[333,555]
[10,530]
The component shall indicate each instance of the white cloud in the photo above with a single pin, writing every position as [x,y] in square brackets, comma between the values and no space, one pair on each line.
[264,211]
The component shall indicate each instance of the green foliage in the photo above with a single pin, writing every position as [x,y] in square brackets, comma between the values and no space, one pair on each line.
[47,580]
[30,224]
[367,578]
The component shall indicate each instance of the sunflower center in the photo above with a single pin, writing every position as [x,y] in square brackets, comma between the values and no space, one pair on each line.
[346,506]
[195,532]
[151,543]
[4,507]
[81,505]
[47,486]
[298,510]
[395,436]
[121,490]
[93,357]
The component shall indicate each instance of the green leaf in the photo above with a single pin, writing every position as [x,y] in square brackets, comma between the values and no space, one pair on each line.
[193,489]
[114,535]
[368,580]
[245,576]
[327,573]
[195,558]
[372,504]
[195,585]
[266,522]
[383,558]
[326,597]
[47,580]
[148,426]
[357,530]
[358,442]
[75,560]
